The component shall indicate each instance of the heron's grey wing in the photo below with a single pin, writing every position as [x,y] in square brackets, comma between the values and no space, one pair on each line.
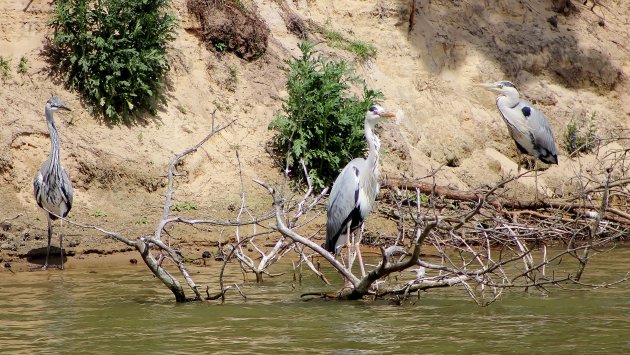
[66,191]
[543,141]
[342,203]
[37,187]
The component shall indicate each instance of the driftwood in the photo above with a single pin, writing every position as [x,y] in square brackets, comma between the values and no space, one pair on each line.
[501,202]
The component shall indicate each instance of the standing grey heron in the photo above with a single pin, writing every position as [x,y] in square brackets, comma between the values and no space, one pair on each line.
[527,125]
[53,188]
[354,191]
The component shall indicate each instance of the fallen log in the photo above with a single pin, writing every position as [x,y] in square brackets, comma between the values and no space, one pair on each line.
[499,202]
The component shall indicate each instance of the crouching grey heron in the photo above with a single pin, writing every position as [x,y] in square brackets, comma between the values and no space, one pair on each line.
[527,125]
[53,188]
[354,191]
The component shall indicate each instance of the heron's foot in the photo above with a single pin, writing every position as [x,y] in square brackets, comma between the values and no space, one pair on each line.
[45,267]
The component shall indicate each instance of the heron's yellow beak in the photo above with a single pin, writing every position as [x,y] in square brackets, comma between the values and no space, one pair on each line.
[387,115]
[491,86]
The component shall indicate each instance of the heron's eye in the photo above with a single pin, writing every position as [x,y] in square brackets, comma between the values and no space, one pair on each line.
[373,108]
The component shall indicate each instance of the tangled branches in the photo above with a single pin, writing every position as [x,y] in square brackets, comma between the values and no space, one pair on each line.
[482,241]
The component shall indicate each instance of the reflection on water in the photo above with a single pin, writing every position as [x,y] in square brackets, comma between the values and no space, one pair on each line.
[125,310]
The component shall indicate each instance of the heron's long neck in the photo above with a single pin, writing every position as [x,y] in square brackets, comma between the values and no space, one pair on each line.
[507,101]
[54,140]
[374,145]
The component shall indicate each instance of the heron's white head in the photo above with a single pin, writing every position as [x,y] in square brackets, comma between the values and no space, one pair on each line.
[377,114]
[502,87]
[55,104]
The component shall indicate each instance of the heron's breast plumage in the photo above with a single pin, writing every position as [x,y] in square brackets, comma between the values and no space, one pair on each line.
[53,190]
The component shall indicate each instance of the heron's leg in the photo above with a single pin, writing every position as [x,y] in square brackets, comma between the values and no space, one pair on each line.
[49,236]
[347,283]
[61,240]
[357,246]
[536,179]
[349,248]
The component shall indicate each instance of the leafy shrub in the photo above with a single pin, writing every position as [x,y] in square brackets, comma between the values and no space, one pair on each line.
[320,122]
[113,53]
[582,138]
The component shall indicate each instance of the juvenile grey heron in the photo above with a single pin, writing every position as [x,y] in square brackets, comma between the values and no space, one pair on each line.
[354,191]
[527,125]
[53,188]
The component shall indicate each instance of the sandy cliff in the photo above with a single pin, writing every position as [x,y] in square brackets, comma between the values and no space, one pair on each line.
[428,76]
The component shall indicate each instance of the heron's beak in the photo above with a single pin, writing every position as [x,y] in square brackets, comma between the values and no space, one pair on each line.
[62,107]
[387,115]
[488,85]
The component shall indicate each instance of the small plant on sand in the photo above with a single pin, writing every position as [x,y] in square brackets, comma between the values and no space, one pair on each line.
[5,68]
[22,66]
[320,122]
[232,79]
[98,213]
[580,137]
[184,206]
[361,49]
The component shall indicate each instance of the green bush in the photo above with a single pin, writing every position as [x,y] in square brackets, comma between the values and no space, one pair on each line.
[113,53]
[320,121]
[580,137]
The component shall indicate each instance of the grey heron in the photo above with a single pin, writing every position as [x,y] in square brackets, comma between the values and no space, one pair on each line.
[354,191]
[53,188]
[527,125]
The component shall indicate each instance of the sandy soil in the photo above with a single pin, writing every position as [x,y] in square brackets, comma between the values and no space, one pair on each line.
[428,76]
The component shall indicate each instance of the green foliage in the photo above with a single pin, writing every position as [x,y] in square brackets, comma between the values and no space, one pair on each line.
[361,49]
[22,66]
[232,79]
[184,206]
[580,137]
[5,68]
[220,46]
[113,52]
[320,122]
[334,38]
[98,213]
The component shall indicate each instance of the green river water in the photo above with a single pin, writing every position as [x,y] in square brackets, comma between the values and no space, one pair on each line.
[124,310]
